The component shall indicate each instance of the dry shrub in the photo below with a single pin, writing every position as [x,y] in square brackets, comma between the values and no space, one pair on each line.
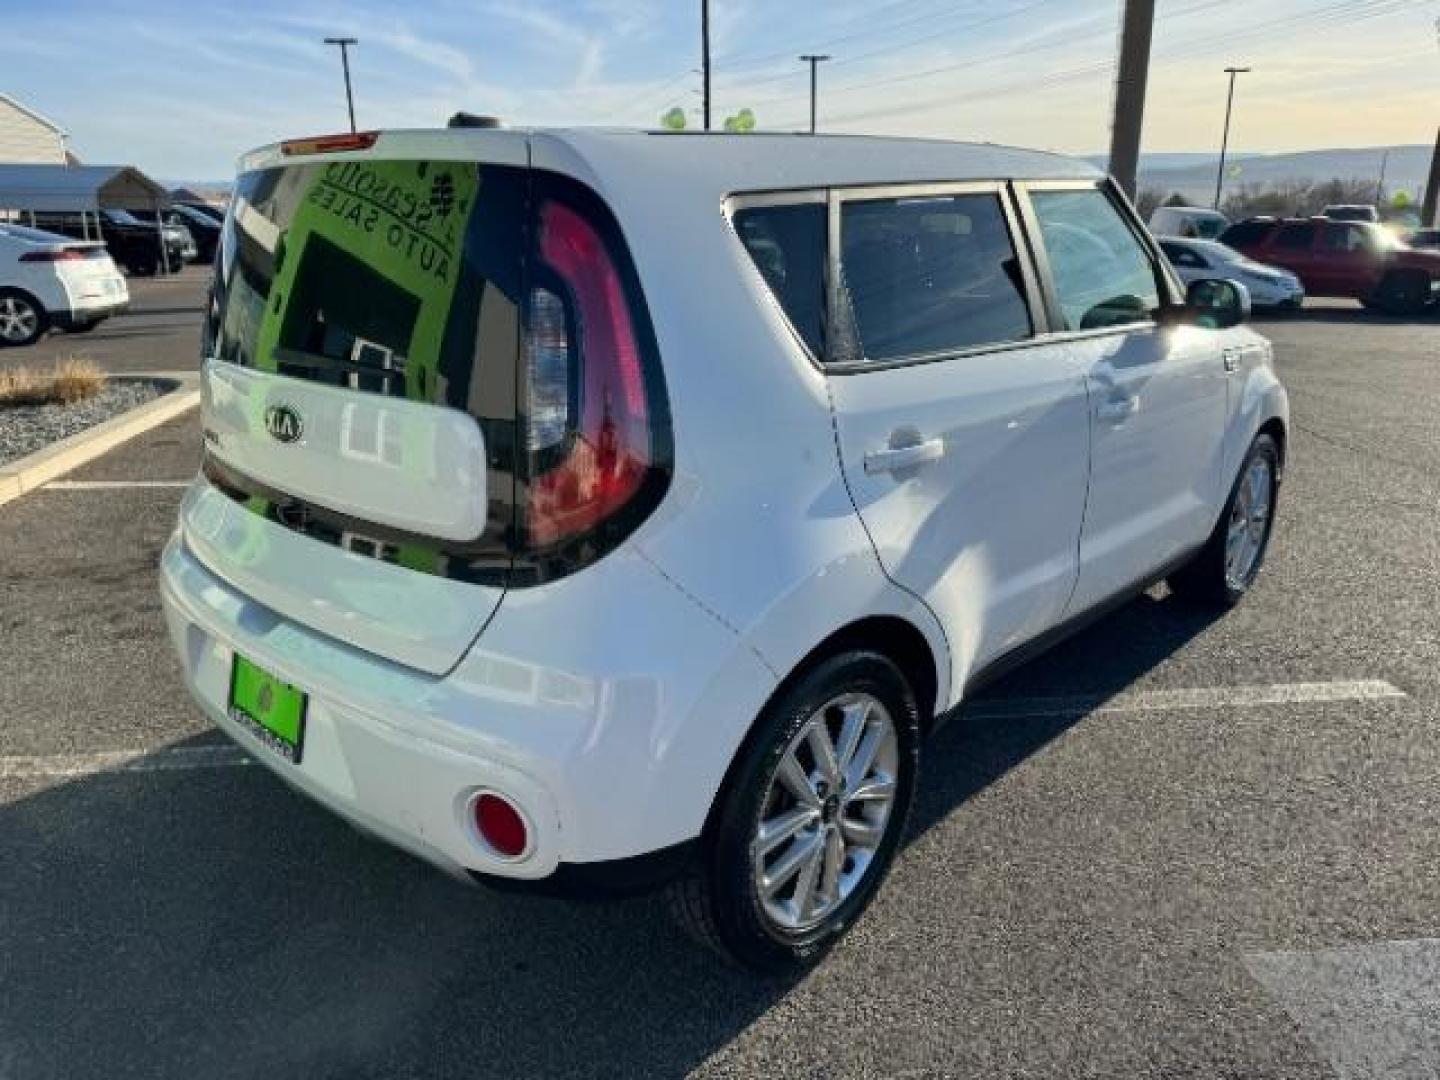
[69,381]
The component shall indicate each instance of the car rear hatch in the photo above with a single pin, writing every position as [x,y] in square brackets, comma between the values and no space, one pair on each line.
[359,399]
[428,381]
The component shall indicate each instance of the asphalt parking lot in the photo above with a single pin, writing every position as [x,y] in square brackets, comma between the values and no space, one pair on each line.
[1208,850]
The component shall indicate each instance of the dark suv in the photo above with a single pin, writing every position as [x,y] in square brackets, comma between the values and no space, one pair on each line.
[1356,259]
[132,243]
[204,229]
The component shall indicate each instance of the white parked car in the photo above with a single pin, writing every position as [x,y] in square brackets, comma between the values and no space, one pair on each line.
[1269,286]
[50,280]
[1188,222]
[595,509]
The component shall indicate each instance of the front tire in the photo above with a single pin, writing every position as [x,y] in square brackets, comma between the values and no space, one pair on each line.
[809,819]
[23,319]
[1227,566]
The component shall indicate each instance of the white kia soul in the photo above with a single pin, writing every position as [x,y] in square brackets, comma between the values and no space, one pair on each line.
[598,509]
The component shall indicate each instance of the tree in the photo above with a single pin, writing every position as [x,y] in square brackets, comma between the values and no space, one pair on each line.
[674,120]
[741,122]
[1146,202]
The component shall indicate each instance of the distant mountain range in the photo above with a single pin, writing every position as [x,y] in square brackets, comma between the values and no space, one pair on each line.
[1193,175]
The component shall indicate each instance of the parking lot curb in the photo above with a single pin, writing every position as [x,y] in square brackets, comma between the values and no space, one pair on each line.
[37,469]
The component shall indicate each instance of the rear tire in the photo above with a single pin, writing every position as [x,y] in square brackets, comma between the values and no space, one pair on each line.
[1404,293]
[1227,566]
[23,319]
[778,908]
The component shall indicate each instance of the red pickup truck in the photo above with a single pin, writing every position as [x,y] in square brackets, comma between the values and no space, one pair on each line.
[1343,258]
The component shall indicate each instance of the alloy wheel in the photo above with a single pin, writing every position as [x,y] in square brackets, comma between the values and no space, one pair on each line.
[826,811]
[1249,524]
[18,319]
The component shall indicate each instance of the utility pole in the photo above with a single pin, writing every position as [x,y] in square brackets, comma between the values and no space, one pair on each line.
[1428,214]
[1380,184]
[345,43]
[705,55]
[813,59]
[1135,31]
[1225,137]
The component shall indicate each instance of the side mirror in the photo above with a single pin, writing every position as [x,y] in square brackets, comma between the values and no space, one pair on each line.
[1217,303]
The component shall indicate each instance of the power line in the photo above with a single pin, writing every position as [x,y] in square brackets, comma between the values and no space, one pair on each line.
[1326,18]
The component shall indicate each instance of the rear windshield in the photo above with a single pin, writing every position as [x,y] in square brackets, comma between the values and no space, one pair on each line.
[398,278]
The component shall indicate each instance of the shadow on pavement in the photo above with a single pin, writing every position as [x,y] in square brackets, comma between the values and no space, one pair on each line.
[1348,316]
[211,923]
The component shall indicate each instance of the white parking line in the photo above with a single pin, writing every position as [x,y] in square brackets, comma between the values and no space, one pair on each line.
[112,485]
[165,759]
[181,758]
[1209,697]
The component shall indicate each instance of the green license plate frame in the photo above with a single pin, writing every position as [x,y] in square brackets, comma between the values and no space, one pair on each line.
[269,708]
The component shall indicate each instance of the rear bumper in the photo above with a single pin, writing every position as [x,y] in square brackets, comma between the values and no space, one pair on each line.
[612,745]
[84,313]
[361,758]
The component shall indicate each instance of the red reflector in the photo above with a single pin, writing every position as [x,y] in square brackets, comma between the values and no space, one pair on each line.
[330,144]
[501,825]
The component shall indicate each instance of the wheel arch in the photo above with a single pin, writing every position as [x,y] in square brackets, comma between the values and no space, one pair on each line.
[895,637]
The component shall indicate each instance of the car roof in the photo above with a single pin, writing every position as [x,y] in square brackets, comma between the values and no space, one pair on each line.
[26,235]
[717,164]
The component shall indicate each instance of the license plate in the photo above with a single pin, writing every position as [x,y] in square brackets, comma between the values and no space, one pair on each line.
[271,710]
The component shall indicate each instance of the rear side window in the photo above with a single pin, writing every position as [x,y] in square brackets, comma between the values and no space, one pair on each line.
[1296,236]
[787,244]
[1182,256]
[1102,273]
[927,276]
[1246,233]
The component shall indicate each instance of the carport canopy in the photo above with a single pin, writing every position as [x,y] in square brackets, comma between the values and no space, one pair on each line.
[78,188]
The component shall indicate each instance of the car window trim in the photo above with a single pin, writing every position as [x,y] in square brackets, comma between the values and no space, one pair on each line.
[1167,283]
[1031,297]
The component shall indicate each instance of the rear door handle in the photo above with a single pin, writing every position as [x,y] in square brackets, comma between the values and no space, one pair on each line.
[899,458]
[1115,410]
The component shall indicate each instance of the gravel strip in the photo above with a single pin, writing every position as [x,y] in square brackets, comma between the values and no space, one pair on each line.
[26,430]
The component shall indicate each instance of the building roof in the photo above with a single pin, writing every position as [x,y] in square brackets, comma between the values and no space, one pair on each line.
[20,105]
[78,187]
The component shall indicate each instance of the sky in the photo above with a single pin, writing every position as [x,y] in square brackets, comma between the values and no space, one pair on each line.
[180,89]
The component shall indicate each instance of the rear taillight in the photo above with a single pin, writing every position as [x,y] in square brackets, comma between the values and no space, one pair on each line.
[62,255]
[594,443]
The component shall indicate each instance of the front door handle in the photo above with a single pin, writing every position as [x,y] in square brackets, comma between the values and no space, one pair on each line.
[900,458]
[1231,359]
[1116,409]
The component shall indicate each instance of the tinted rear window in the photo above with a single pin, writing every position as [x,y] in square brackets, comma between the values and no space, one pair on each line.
[399,278]
[1246,232]
[787,244]
[1296,236]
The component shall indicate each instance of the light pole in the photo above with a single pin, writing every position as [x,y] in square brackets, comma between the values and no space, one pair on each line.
[705,56]
[814,60]
[1225,138]
[345,43]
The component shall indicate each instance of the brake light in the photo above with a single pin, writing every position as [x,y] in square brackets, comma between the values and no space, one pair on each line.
[589,417]
[330,144]
[63,255]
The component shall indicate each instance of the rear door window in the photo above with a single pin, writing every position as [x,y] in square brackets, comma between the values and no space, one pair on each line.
[926,276]
[1296,236]
[1102,274]
[787,244]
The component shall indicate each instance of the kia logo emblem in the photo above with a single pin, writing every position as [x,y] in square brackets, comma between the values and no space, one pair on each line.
[283,423]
